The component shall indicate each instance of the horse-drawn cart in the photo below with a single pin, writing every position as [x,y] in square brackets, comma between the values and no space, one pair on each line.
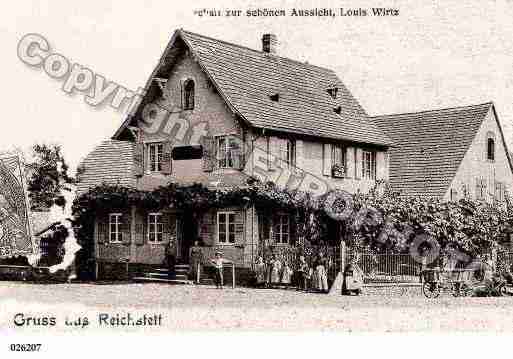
[459,281]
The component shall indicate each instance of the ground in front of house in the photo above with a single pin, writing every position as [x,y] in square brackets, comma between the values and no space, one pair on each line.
[190,307]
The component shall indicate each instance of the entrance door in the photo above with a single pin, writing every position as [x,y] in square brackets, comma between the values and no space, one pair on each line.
[179,239]
[186,234]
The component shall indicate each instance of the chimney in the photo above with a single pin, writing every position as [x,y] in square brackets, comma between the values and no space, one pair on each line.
[269,43]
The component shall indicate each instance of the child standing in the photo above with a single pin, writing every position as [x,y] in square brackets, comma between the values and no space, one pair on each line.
[218,266]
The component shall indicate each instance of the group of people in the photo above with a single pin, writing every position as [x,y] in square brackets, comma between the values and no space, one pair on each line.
[278,273]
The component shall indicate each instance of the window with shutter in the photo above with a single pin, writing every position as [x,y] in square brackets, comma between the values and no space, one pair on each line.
[229,152]
[338,161]
[369,165]
[286,152]
[155,156]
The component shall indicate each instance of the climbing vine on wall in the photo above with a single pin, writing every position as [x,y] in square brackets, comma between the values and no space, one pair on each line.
[378,221]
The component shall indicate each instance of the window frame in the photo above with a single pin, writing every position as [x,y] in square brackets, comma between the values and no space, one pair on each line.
[229,149]
[290,152]
[118,223]
[279,235]
[369,173]
[453,194]
[343,158]
[189,95]
[155,165]
[481,189]
[499,191]
[226,230]
[156,223]
[490,155]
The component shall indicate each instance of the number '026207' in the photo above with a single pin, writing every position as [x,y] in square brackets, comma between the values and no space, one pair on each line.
[25,347]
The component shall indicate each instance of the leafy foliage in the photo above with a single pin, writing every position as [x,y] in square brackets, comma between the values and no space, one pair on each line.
[48,177]
[376,221]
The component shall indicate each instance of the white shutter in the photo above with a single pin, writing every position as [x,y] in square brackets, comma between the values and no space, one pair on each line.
[358,163]
[380,165]
[350,165]
[273,152]
[299,154]
[282,149]
[326,159]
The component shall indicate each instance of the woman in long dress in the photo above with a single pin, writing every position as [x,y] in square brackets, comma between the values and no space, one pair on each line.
[275,271]
[260,270]
[286,277]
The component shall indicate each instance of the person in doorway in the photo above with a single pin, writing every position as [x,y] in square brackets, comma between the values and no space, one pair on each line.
[170,259]
[196,259]
[218,267]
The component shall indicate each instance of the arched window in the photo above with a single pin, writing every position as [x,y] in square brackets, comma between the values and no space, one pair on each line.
[188,95]
[490,149]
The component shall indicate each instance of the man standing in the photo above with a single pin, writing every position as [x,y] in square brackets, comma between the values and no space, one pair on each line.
[170,259]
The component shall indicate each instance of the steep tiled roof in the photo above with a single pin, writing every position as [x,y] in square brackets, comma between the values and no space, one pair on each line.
[429,147]
[246,79]
[111,163]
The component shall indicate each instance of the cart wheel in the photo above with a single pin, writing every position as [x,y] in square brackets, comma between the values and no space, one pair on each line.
[503,291]
[457,290]
[431,290]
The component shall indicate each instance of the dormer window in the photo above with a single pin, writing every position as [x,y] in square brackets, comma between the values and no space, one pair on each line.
[188,95]
[275,97]
[333,92]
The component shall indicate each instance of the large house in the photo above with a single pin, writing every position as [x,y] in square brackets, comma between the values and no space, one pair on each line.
[215,113]
[450,153]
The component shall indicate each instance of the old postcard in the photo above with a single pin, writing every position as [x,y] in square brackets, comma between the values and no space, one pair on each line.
[171,172]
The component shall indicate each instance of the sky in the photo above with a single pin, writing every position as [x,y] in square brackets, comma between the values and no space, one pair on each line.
[433,55]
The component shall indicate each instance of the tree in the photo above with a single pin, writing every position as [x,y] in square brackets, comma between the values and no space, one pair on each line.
[48,177]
